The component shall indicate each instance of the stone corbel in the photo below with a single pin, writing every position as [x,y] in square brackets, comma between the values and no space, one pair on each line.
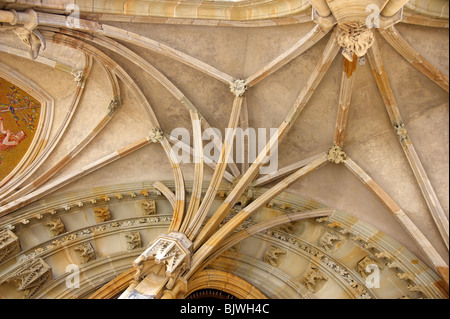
[24,25]
[159,268]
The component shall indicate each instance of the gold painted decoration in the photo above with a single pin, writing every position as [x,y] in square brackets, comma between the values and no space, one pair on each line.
[19,118]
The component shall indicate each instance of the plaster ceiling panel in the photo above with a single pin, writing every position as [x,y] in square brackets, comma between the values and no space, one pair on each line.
[222,48]
[211,97]
[92,108]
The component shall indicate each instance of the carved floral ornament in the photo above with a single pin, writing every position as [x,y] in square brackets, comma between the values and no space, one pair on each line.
[238,88]
[155,135]
[355,38]
[336,155]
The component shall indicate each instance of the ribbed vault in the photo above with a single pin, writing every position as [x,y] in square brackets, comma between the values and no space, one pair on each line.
[361,139]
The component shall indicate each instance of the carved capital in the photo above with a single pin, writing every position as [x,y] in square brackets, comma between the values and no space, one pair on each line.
[336,155]
[238,88]
[9,244]
[355,38]
[155,135]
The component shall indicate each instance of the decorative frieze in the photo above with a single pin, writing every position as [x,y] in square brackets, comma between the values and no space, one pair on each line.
[102,214]
[85,253]
[30,276]
[55,227]
[85,233]
[287,228]
[9,244]
[273,256]
[407,276]
[341,271]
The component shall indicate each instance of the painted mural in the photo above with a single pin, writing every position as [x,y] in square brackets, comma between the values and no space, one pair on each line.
[19,118]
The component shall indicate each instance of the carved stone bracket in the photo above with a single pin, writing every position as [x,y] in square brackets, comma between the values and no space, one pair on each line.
[9,244]
[336,155]
[30,276]
[155,135]
[24,25]
[238,88]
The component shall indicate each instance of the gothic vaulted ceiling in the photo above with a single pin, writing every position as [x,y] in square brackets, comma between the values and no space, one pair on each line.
[121,177]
